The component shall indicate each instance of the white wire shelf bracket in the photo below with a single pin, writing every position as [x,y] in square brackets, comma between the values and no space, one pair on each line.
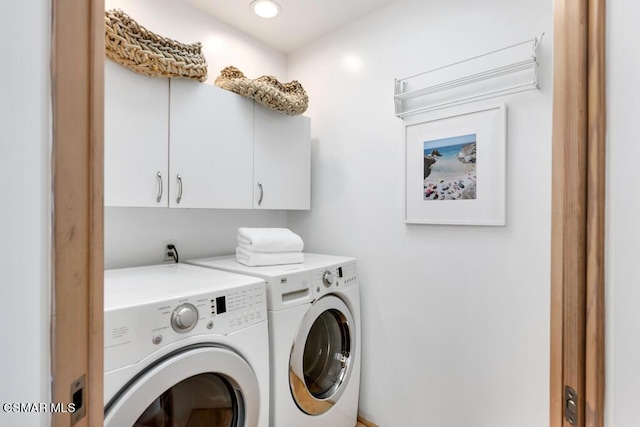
[509,70]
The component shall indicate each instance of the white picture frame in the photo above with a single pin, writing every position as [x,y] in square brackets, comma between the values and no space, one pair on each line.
[464,187]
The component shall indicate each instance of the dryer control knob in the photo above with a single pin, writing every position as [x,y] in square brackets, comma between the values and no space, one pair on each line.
[184,318]
[327,278]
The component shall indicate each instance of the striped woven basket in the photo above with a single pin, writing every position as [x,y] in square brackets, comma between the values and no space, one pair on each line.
[288,98]
[144,52]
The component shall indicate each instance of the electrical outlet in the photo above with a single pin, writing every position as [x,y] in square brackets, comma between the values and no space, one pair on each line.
[166,252]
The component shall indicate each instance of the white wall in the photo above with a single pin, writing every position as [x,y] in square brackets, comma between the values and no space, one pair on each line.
[25,254]
[623,214]
[455,319]
[135,236]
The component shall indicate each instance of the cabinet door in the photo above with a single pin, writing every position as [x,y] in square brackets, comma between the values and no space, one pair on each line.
[136,132]
[211,147]
[282,160]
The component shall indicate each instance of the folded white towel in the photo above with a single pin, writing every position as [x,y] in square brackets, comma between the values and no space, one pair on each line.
[269,240]
[254,259]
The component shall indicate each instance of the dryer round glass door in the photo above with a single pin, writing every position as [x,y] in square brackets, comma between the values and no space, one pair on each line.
[201,385]
[202,400]
[322,354]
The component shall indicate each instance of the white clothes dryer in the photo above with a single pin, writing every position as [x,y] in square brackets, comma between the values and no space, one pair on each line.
[185,346]
[314,329]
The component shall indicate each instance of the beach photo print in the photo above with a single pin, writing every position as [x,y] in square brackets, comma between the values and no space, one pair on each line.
[455,166]
[450,168]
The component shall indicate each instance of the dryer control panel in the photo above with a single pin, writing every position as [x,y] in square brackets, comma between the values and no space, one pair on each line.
[131,333]
[334,278]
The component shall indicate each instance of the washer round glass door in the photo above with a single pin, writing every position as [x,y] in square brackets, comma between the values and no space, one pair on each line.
[198,386]
[321,356]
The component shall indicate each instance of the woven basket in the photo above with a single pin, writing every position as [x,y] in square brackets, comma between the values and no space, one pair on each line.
[288,98]
[144,52]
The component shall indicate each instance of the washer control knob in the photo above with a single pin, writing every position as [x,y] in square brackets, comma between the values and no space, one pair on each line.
[327,278]
[184,318]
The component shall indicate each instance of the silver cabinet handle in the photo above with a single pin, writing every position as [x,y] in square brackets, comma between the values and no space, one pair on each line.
[179,189]
[160,187]
[261,193]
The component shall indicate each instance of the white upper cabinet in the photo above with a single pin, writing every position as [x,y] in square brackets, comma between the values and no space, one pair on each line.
[136,138]
[282,160]
[210,147]
[184,144]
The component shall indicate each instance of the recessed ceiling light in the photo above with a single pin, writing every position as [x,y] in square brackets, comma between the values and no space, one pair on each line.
[265,8]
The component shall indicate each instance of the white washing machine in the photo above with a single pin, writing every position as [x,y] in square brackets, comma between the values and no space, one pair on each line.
[314,326]
[185,346]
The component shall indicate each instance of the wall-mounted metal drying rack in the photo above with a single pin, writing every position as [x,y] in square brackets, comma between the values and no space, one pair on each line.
[509,70]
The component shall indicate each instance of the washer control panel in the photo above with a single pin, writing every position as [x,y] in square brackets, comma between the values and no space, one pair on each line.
[131,333]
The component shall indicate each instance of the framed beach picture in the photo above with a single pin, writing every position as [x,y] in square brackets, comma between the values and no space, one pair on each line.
[455,167]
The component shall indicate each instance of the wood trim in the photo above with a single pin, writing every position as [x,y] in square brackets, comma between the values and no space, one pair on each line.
[568,241]
[557,204]
[578,208]
[78,96]
[96,261]
[365,422]
[595,298]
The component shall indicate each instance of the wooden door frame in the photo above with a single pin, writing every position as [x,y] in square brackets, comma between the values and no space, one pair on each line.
[577,264]
[578,207]
[77,82]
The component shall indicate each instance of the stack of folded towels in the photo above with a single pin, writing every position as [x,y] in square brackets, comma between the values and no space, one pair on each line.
[268,246]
